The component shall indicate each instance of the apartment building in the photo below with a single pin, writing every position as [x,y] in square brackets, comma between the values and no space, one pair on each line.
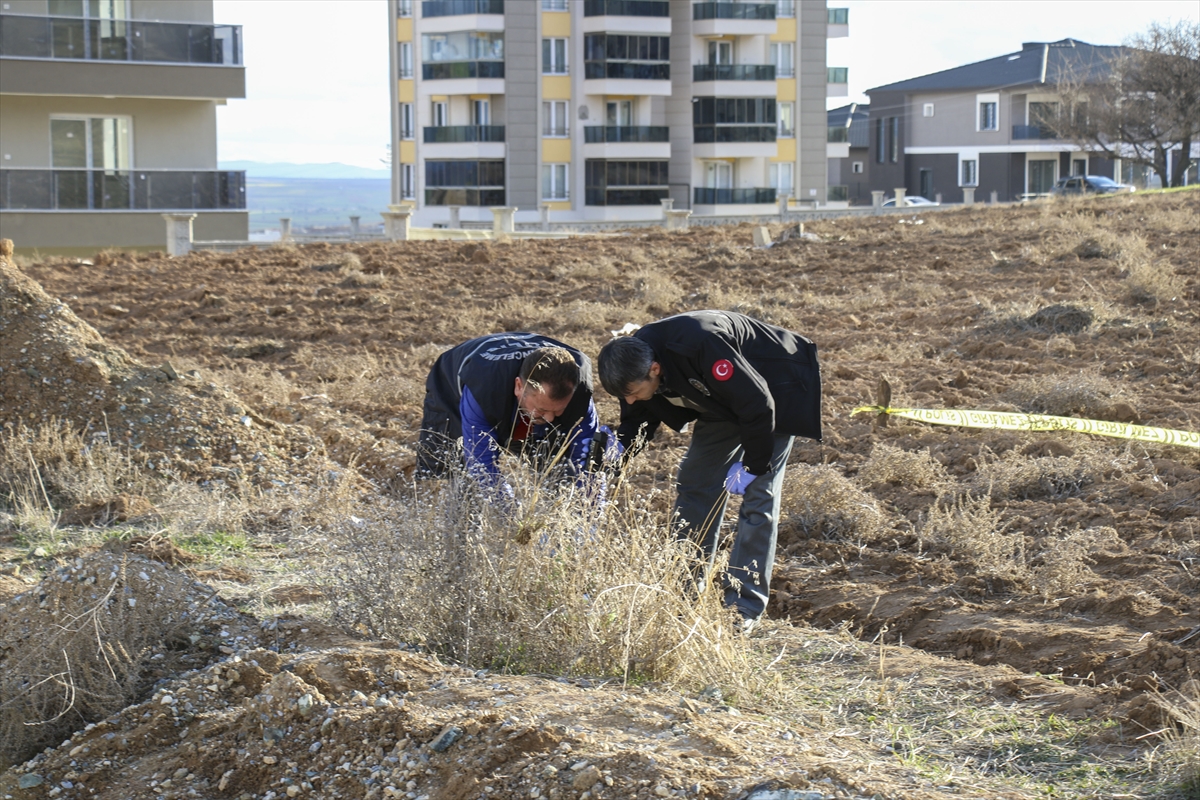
[108,120]
[601,110]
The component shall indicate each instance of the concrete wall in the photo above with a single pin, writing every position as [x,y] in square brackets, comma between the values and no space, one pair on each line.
[944,168]
[167,134]
[107,79]
[55,230]
[1003,173]
[886,176]
[679,105]
[521,106]
[165,10]
[812,122]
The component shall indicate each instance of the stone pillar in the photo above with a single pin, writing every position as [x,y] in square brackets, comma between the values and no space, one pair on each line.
[354,225]
[678,220]
[877,201]
[937,198]
[900,201]
[761,236]
[395,224]
[545,209]
[995,197]
[668,203]
[968,195]
[285,229]
[503,219]
[783,206]
[179,233]
[455,219]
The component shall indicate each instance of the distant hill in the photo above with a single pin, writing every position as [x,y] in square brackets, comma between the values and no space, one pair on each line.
[260,169]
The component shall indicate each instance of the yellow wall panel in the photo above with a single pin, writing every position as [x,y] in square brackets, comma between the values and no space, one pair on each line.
[556,23]
[563,205]
[785,150]
[556,87]
[408,152]
[404,29]
[785,89]
[407,91]
[785,30]
[556,151]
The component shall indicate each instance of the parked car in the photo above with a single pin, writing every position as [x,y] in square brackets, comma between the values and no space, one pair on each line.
[910,200]
[1088,184]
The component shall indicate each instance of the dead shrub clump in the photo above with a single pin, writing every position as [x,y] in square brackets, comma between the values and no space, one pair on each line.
[1062,567]
[970,530]
[916,469]
[1014,475]
[357,279]
[1086,394]
[820,502]
[1063,318]
[1152,283]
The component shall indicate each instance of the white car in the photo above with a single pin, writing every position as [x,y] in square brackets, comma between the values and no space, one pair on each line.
[910,200]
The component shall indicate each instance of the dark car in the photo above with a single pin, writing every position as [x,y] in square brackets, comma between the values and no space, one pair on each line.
[1088,184]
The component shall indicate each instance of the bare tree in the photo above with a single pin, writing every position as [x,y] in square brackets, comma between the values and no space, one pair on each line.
[1139,105]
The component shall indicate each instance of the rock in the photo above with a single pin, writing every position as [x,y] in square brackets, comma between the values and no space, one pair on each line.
[29,779]
[447,737]
[587,777]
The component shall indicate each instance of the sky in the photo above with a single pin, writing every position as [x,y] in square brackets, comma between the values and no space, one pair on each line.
[317,71]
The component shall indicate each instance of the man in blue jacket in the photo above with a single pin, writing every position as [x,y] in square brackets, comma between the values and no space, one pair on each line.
[522,392]
[749,389]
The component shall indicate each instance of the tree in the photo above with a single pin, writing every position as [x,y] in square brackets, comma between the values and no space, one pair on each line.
[1139,105]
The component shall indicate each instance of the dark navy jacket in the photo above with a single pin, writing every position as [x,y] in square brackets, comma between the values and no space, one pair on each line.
[470,393]
[733,367]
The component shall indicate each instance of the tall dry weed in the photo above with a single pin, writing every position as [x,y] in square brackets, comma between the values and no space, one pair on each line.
[1086,394]
[970,530]
[1014,475]
[820,502]
[915,469]
[1062,566]
[1181,754]
[1152,282]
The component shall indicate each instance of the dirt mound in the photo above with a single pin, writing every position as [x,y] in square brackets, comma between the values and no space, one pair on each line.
[54,366]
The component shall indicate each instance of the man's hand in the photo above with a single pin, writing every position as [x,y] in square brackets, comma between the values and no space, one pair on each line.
[738,479]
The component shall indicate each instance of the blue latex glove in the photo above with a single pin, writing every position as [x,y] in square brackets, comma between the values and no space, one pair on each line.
[738,479]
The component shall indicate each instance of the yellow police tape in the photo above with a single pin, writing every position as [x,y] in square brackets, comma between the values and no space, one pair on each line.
[1037,422]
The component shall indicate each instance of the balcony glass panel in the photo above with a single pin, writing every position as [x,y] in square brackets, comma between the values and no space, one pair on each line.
[617,70]
[733,72]
[838,133]
[715,134]
[626,8]
[119,40]
[707,196]
[763,11]
[599,134]
[839,16]
[785,8]
[462,69]
[626,197]
[1032,132]
[836,74]
[452,8]
[464,197]
[464,133]
[121,190]
[837,193]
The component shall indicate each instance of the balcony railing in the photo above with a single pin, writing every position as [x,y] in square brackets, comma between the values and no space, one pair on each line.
[121,40]
[626,8]
[626,70]
[599,134]
[711,134]
[763,11]
[626,197]
[785,8]
[121,190]
[464,133]
[733,72]
[837,133]
[464,197]
[837,193]
[452,8]
[1032,132]
[706,196]
[462,69]
[838,16]
[837,74]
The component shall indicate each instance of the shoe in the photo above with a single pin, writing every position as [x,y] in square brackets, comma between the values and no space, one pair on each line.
[746,625]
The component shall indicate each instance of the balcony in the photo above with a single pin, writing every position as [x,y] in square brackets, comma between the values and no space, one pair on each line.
[711,197]
[837,194]
[836,80]
[627,141]
[734,141]
[121,190]
[1032,132]
[466,77]
[626,8]
[464,197]
[626,197]
[838,23]
[454,8]
[453,134]
[837,133]
[733,72]
[739,19]
[627,77]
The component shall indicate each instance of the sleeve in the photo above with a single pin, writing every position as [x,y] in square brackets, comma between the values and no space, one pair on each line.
[479,439]
[581,438]
[638,426]
[739,387]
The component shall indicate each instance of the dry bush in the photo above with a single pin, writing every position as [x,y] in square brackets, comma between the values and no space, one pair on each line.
[1086,394]
[1062,318]
[970,530]
[818,501]
[350,262]
[1062,566]
[77,646]
[1152,282]
[659,293]
[357,279]
[385,381]
[556,586]
[916,469]
[1013,475]
[1182,745]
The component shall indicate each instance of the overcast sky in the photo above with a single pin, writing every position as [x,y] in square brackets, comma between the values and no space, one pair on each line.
[317,72]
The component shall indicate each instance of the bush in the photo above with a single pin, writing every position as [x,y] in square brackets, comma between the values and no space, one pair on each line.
[818,501]
[889,464]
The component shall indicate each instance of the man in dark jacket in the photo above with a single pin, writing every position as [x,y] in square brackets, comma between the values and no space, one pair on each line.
[749,389]
[522,392]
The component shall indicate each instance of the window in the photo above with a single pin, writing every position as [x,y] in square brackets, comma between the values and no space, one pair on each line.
[408,181]
[554,119]
[481,112]
[554,56]
[988,118]
[720,52]
[406,60]
[880,151]
[441,114]
[554,181]
[554,5]
[618,113]
[856,167]
[787,121]
[781,178]
[781,57]
[969,174]
[893,139]
[625,183]
[927,110]
[718,175]
[464,183]
[620,56]
[785,8]
[404,8]
[91,143]
[407,124]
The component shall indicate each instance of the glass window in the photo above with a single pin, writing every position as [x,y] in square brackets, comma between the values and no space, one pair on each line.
[91,143]
[554,182]
[406,60]
[441,114]
[781,178]
[404,8]
[408,183]
[554,5]
[856,167]
[781,57]
[787,126]
[970,172]
[988,119]
[407,124]
[554,118]
[554,56]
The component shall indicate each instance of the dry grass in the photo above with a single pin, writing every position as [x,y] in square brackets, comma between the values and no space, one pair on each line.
[1086,394]
[915,469]
[970,530]
[820,502]
[1061,569]
[1014,475]
[1181,753]
[1152,282]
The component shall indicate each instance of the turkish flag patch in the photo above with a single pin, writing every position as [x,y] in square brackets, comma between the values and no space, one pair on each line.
[723,370]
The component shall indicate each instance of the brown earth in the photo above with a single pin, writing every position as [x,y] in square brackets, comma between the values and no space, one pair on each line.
[1043,308]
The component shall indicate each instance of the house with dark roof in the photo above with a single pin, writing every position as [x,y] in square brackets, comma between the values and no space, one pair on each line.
[977,126]
[846,151]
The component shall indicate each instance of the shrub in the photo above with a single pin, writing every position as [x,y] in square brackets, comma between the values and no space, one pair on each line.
[818,501]
[1016,476]
[1084,393]
[1063,567]
[970,530]
[917,469]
